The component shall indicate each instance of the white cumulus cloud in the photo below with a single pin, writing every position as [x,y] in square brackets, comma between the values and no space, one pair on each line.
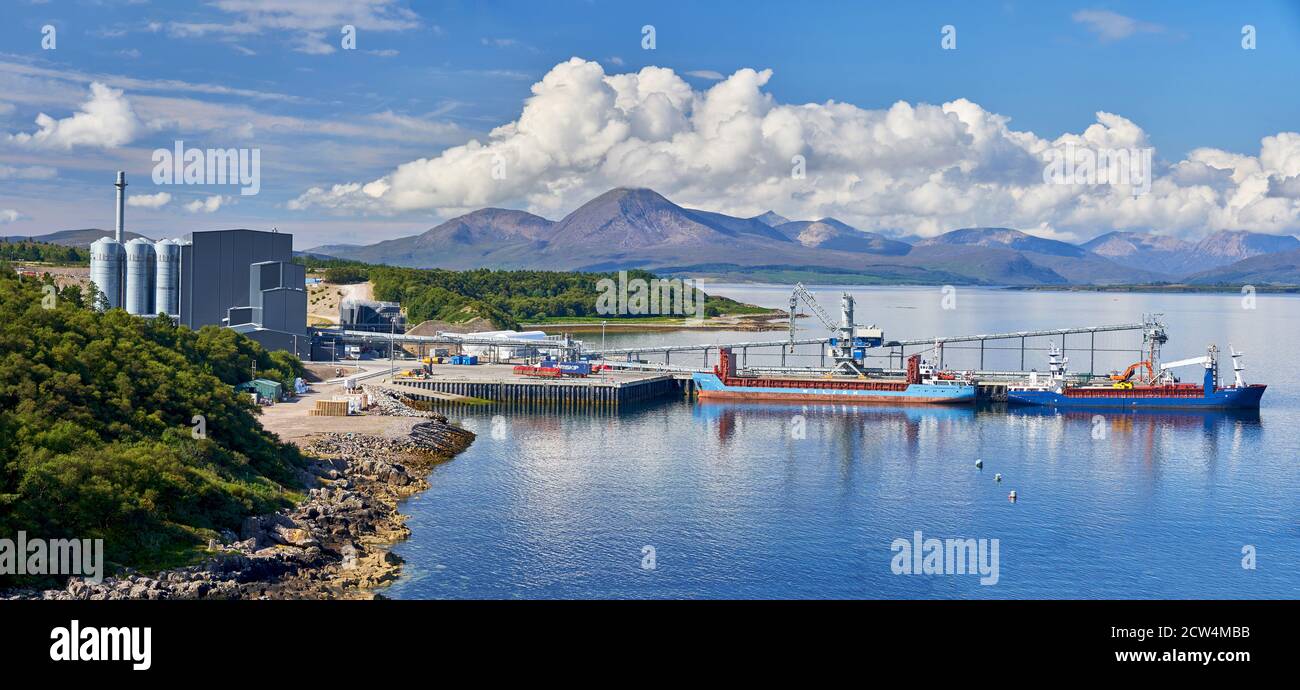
[9,215]
[908,168]
[104,121]
[150,200]
[208,205]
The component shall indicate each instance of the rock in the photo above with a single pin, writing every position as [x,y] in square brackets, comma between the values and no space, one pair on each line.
[293,536]
[315,549]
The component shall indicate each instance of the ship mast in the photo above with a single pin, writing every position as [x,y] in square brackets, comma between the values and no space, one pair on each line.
[1153,336]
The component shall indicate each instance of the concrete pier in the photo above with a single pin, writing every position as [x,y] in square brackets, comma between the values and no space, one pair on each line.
[499,384]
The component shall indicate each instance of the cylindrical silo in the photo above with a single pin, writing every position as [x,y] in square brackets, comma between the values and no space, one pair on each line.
[167,282]
[107,261]
[140,266]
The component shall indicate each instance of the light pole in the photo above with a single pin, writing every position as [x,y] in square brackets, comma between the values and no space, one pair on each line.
[602,334]
[392,336]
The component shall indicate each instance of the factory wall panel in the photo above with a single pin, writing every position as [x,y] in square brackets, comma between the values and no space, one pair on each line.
[218,276]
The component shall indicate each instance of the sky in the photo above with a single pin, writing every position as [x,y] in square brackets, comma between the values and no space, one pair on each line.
[374,119]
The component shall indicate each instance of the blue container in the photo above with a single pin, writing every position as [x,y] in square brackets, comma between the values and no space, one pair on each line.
[580,368]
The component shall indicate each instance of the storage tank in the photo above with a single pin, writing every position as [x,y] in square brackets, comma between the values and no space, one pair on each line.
[107,262]
[167,280]
[140,269]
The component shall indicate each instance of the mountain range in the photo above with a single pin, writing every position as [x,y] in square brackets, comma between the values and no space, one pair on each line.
[639,228]
[1176,257]
[73,238]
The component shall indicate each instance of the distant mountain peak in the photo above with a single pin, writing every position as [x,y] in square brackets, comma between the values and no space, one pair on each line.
[771,219]
[1242,244]
[81,237]
[1005,237]
[829,233]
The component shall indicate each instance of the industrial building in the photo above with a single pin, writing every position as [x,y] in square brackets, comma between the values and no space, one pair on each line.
[242,279]
[371,315]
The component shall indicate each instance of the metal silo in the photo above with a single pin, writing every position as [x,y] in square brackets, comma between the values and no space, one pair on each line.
[168,278]
[107,261]
[140,267]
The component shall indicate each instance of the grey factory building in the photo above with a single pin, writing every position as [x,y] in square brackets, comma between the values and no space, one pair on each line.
[242,279]
[371,315]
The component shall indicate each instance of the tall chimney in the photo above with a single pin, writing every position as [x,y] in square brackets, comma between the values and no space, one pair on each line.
[121,205]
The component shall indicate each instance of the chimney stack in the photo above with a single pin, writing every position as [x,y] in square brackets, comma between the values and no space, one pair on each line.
[121,205]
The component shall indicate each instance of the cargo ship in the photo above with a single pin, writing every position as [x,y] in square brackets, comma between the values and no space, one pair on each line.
[1147,384]
[922,385]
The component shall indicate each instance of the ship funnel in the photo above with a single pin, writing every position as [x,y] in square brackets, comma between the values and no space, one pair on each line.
[121,206]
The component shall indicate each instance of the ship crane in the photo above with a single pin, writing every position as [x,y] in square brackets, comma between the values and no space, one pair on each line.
[849,341]
[1153,336]
[1211,363]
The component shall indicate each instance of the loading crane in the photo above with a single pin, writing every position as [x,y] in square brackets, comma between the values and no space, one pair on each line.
[1153,337]
[849,341]
[1210,360]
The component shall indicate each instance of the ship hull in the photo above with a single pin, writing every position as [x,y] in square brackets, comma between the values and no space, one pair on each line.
[710,387]
[1246,397]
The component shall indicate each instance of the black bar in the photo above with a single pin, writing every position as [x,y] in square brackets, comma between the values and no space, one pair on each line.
[998,639]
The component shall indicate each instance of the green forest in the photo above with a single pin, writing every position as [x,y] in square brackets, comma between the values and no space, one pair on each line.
[506,298]
[98,428]
[26,250]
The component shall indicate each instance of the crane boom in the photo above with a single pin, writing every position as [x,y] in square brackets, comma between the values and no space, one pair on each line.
[1202,360]
[801,293]
[848,341]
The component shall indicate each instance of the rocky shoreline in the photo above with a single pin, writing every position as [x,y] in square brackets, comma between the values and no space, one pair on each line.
[334,545]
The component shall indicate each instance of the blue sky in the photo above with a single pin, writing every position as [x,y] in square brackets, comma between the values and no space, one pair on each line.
[426,76]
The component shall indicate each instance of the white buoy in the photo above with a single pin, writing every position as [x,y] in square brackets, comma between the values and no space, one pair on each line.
[997,477]
[979,464]
[1012,496]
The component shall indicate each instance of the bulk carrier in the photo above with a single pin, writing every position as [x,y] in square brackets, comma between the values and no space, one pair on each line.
[918,387]
[1147,384]
[848,382]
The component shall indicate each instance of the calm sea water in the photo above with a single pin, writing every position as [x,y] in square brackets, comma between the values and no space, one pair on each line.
[735,506]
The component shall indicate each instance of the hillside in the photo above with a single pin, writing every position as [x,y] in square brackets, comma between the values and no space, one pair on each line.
[1070,263]
[829,233]
[1175,257]
[96,418]
[74,238]
[490,237]
[1266,269]
[1005,237]
[1227,246]
[1159,253]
